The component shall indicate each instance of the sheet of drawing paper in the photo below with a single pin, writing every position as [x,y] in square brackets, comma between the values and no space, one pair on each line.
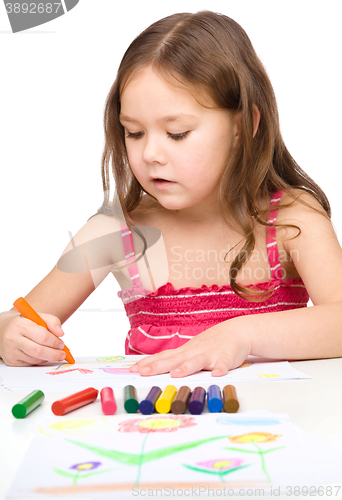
[118,457]
[99,372]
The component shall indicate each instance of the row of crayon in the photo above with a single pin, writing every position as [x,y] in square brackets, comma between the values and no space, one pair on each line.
[179,401]
[156,400]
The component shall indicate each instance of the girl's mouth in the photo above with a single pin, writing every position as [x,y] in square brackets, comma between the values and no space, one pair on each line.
[162,183]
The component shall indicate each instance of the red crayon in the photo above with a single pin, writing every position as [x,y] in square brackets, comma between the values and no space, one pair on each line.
[74,401]
[108,401]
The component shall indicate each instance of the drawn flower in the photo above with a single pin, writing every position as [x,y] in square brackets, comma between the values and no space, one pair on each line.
[151,424]
[221,464]
[245,364]
[218,466]
[81,471]
[254,437]
[86,466]
[157,424]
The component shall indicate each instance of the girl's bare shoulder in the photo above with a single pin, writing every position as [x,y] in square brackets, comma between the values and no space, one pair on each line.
[299,211]
[295,203]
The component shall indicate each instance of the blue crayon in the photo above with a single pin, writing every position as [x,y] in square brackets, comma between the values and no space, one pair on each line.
[146,407]
[197,400]
[214,399]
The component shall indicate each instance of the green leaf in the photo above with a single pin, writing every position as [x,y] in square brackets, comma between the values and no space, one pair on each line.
[218,473]
[137,459]
[63,473]
[244,451]
[273,449]
[93,473]
[253,451]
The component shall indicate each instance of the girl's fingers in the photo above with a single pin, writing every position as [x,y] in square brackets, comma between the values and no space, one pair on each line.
[190,366]
[40,335]
[26,360]
[20,358]
[153,360]
[221,368]
[160,366]
[40,352]
[53,324]
[19,362]
[163,365]
[26,343]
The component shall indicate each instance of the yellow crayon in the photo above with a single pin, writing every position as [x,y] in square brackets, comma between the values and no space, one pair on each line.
[163,403]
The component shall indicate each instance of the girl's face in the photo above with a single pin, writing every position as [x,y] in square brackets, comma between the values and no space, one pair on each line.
[177,148]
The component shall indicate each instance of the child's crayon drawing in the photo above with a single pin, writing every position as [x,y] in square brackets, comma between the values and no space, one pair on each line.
[76,426]
[99,372]
[118,371]
[81,370]
[112,359]
[116,455]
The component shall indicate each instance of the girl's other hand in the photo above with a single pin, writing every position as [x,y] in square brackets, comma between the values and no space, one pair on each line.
[219,349]
[23,343]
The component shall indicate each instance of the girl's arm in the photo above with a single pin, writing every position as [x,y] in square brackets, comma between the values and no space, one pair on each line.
[306,333]
[58,296]
[55,298]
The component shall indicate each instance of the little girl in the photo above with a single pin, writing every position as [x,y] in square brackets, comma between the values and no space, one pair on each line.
[216,236]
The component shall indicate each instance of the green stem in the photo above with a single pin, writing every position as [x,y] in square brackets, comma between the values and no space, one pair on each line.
[75,478]
[263,465]
[141,460]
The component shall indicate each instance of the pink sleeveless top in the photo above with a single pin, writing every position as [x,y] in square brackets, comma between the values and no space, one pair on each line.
[169,317]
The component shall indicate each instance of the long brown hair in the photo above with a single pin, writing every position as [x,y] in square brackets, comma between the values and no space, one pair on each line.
[210,52]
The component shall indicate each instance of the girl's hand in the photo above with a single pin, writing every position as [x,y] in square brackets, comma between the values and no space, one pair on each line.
[23,343]
[220,348]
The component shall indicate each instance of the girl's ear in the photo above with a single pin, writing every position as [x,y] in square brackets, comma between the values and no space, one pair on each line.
[256,119]
[238,118]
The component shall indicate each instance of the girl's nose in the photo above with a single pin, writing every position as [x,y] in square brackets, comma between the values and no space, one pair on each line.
[153,152]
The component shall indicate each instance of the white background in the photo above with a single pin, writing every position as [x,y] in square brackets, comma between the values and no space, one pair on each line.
[53,86]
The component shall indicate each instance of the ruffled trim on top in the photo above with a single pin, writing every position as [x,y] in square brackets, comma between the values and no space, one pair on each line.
[169,289]
[137,292]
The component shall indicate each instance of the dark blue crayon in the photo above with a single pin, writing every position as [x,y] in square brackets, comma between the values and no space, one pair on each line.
[214,399]
[197,400]
[146,407]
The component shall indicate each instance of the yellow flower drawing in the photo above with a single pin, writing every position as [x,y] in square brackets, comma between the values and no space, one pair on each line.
[254,437]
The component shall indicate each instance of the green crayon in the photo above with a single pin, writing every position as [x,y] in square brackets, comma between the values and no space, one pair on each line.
[28,404]
[131,404]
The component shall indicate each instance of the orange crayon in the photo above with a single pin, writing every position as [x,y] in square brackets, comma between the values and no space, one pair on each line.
[29,313]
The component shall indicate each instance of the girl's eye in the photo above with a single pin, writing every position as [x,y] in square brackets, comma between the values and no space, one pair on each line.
[175,137]
[134,135]
[178,137]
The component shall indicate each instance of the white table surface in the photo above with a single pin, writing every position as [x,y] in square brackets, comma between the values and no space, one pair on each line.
[312,404]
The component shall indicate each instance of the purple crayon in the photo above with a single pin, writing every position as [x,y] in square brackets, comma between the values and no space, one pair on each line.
[146,407]
[196,403]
